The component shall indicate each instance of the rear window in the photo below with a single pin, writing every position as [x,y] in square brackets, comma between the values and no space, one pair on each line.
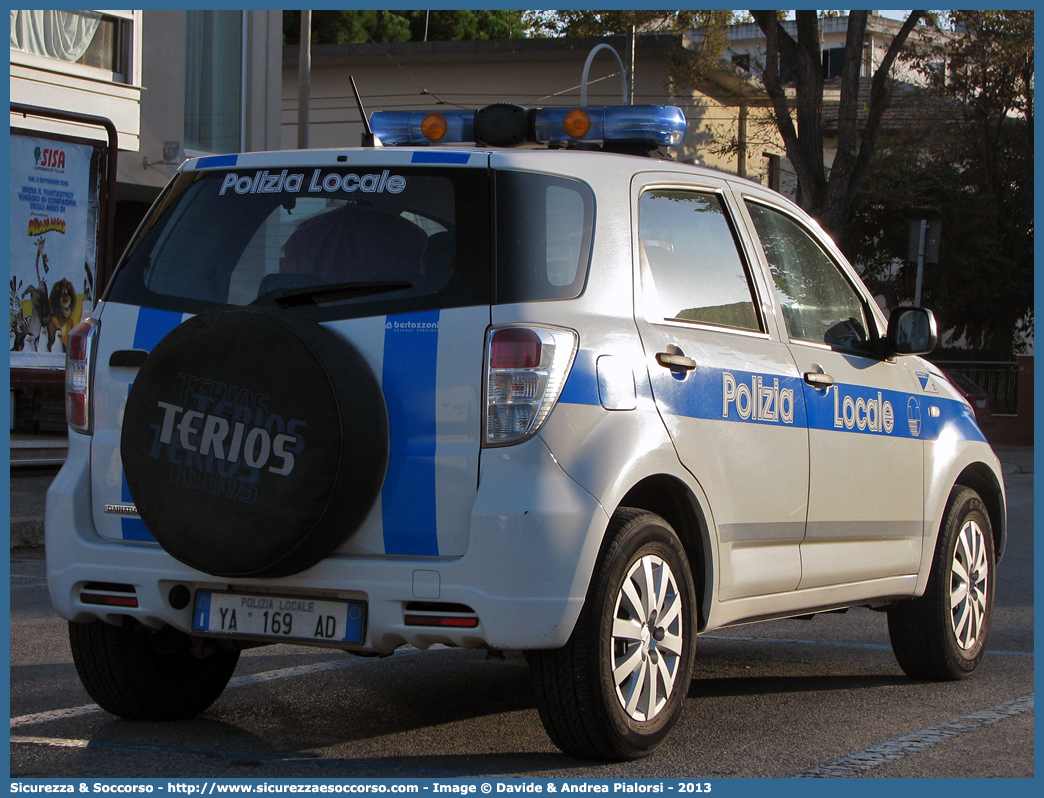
[339,242]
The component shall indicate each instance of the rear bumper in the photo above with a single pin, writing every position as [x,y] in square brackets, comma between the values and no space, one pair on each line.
[534,538]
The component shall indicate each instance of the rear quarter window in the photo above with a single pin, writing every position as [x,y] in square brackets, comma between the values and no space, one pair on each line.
[545,226]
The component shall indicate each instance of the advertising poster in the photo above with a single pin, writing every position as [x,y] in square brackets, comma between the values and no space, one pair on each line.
[54,225]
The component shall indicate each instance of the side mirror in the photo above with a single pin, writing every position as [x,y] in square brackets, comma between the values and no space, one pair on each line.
[912,331]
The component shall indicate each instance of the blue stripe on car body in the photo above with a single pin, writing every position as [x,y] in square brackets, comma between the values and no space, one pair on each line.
[217,161]
[151,327]
[408,502]
[703,395]
[441,157]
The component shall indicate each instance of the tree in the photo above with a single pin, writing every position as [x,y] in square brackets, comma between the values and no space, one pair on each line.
[826,196]
[687,65]
[970,163]
[582,24]
[357,26]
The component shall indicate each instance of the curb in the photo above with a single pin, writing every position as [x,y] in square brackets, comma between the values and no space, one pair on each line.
[1011,469]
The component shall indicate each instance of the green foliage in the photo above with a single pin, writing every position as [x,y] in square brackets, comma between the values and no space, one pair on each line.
[970,163]
[578,24]
[358,26]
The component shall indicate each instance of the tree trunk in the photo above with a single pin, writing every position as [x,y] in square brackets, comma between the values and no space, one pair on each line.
[827,198]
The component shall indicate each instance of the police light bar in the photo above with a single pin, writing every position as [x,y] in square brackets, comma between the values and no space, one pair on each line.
[399,128]
[662,125]
[505,125]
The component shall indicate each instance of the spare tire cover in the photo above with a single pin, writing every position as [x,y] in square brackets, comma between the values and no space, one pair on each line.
[253,442]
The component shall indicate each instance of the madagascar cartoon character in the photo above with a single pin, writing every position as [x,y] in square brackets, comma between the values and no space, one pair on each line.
[22,331]
[63,308]
[41,315]
[41,255]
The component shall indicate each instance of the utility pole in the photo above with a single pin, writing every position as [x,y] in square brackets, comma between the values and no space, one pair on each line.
[304,76]
[741,157]
[925,235]
[634,37]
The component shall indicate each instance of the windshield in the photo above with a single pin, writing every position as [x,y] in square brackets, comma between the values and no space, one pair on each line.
[329,239]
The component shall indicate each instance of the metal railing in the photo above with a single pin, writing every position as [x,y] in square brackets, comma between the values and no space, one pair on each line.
[999,379]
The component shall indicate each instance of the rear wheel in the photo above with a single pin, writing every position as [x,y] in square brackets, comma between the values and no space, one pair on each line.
[617,687]
[141,674]
[942,634]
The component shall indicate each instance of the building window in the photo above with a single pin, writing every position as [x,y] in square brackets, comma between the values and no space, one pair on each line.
[773,165]
[833,62]
[741,60]
[213,81]
[92,39]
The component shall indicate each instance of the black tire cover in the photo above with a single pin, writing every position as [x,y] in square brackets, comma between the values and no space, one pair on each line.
[253,442]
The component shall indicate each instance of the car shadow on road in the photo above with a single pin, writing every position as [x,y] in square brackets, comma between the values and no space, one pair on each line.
[735,686]
[214,747]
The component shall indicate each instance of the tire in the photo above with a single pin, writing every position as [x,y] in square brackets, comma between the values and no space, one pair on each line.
[942,635]
[586,710]
[253,442]
[141,674]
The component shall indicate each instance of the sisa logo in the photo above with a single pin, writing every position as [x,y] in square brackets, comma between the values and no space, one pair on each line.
[52,159]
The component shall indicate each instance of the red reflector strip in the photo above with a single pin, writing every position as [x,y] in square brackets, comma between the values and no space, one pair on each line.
[76,341]
[76,409]
[441,620]
[514,348]
[109,601]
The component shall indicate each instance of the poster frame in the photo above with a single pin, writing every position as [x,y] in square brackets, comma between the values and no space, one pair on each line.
[26,377]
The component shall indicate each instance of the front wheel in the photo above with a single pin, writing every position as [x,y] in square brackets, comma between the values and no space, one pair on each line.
[617,687]
[142,674]
[942,635]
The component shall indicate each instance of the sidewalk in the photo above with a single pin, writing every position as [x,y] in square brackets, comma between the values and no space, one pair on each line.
[1015,459]
[28,496]
[28,492]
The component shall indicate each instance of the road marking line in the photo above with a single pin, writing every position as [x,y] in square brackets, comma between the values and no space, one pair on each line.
[898,747]
[834,644]
[56,742]
[54,714]
[239,681]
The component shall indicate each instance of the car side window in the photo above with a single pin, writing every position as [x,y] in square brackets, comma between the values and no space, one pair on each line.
[818,303]
[694,260]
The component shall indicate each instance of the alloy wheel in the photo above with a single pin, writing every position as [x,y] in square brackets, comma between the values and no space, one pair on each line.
[647,638]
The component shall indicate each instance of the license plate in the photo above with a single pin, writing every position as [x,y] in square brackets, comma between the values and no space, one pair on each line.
[281,617]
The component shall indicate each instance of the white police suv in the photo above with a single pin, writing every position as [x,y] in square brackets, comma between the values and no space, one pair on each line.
[577,400]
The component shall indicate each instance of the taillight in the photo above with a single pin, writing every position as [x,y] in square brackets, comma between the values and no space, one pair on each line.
[526,368]
[79,352]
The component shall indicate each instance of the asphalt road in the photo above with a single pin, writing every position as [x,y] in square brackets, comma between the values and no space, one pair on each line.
[781,699]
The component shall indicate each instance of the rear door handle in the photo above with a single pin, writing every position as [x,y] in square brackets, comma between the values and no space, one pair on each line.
[669,361]
[818,380]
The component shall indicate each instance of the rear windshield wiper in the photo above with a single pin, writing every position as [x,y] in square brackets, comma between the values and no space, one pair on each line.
[333,292]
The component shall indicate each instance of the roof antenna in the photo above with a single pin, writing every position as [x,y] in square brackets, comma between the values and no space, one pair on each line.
[368,139]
